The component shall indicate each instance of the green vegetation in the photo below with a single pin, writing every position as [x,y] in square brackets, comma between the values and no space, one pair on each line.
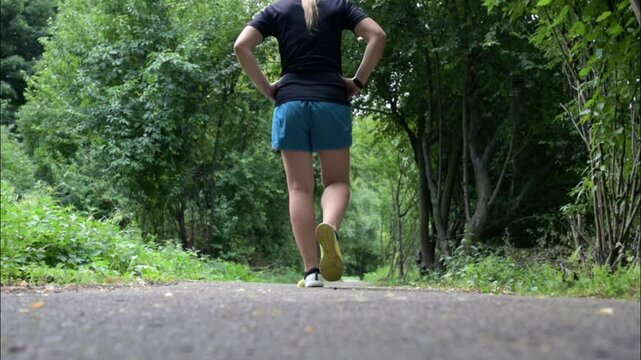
[23,22]
[15,165]
[517,274]
[43,242]
[133,147]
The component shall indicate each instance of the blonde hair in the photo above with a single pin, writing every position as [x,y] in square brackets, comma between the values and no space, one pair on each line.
[310,7]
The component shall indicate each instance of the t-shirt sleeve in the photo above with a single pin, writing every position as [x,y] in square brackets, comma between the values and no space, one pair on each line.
[265,22]
[353,15]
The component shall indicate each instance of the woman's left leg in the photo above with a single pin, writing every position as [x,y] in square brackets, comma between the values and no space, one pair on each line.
[300,183]
[335,166]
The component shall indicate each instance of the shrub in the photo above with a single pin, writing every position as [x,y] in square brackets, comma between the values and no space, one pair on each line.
[43,242]
[15,166]
[487,271]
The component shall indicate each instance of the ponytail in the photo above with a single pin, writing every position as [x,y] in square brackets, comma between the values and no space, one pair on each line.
[310,7]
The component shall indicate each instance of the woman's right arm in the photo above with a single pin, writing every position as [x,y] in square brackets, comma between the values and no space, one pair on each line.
[376,38]
[248,39]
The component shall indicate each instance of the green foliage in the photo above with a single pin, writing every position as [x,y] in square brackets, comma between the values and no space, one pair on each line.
[22,24]
[252,208]
[360,232]
[602,282]
[139,107]
[597,46]
[460,84]
[493,271]
[377,276]
[283,275]
[43,242]
[15,166]
[496,274]
[383,196]
[138,113]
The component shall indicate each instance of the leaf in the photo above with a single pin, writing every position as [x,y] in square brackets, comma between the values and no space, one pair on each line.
[37,305]
[543,3]
[585,71]
[563,14]
[578,29]
[490,4]
[606,311]
[603,16]
[615,29]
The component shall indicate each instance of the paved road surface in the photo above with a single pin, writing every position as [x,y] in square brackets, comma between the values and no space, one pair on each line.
[347,321]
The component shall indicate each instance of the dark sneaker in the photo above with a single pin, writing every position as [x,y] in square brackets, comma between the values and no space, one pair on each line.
[312,278]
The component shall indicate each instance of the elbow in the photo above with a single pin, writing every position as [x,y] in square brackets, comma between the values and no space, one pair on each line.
[377,36]
[240,47]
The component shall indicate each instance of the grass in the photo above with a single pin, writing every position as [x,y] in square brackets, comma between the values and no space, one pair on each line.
[505,275]
[43,242]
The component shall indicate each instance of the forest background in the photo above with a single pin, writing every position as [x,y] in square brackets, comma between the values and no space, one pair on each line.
[496,147]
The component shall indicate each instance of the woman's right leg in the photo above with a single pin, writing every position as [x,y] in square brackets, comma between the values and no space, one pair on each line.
[335,175]
[300,183]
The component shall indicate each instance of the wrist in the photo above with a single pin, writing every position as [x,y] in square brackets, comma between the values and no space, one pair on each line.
[358,83]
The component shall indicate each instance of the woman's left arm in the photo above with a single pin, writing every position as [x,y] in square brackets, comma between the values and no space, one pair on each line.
[248,39]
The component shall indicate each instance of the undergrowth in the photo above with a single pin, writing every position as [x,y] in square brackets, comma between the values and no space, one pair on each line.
[509,273]
[43,242]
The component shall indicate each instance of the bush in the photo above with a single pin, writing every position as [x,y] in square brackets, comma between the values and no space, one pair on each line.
[379,275]
[488,271]
[15,166]
[43,242]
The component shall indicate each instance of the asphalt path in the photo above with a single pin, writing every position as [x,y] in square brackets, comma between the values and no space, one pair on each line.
[341,321]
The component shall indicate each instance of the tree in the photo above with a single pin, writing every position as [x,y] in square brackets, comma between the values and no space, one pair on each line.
[22,23]
[596,44]
[465,90]
[384,197]
[139,106]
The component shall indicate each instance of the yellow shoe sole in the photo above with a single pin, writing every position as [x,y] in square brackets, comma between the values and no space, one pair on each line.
[331,263]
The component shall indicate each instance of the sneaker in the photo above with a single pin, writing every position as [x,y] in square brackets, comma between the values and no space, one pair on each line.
[312,278]
[331,263]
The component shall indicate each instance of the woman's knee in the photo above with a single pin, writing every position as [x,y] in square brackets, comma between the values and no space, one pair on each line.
[302,188]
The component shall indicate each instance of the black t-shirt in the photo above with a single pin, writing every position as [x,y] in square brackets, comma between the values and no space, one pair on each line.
[310,61]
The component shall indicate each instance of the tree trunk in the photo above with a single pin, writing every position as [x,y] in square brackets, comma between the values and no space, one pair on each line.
[401,272]
[440,187]
[486,192]
[428,249]
[427,244]
[636,8]
[182,229]
[481,177]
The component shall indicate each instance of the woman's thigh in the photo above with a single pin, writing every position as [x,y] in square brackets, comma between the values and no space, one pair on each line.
[299,170]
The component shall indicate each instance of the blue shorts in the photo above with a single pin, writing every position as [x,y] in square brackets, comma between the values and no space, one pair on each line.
[311,126]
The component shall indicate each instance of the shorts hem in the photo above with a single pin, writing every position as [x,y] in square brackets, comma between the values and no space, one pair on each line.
[332,148]
[285,148]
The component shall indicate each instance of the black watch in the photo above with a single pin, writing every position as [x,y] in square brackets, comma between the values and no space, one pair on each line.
[358,83]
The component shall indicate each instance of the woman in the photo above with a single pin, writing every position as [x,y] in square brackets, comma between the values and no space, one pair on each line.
[313,113]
